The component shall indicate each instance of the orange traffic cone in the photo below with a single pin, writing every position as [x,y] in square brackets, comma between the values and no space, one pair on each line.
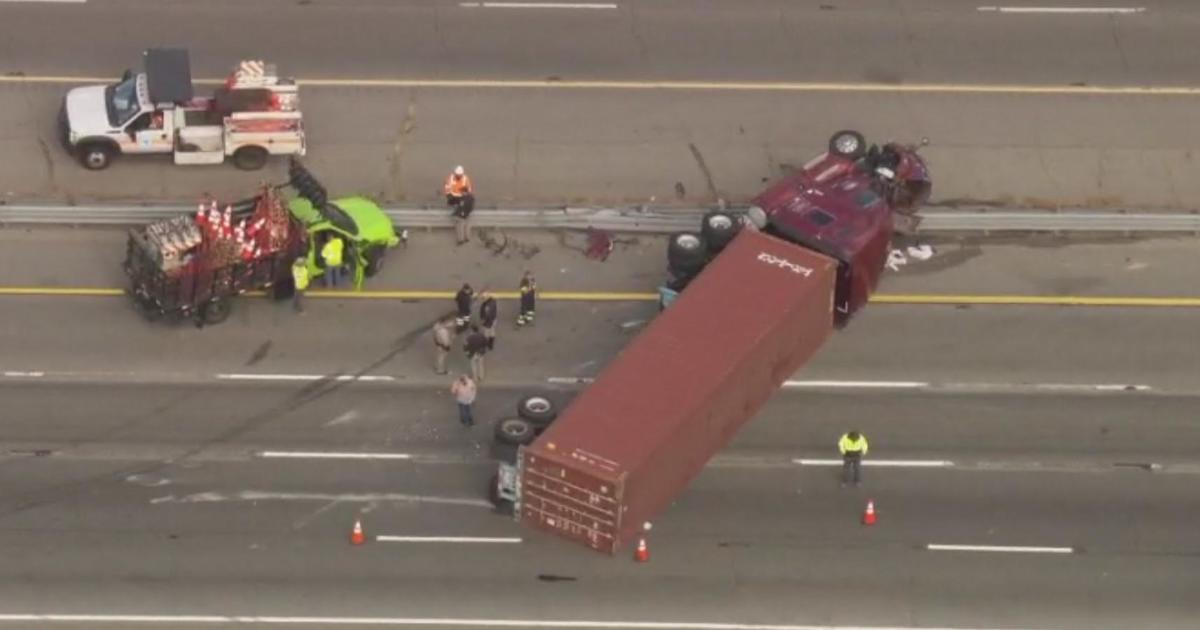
[642,553]
[869,515]
[357,537]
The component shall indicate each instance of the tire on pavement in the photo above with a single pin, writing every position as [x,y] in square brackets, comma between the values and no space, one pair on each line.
[686,253]
[538,410]
[718,229]
[848,144]
[515,431]
[374,265]
[217,310]
[96,156]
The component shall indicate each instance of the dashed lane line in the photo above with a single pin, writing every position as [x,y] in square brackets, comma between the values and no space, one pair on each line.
[450,539]
[441,622]
[330,455]
[882,463]
[1001,549]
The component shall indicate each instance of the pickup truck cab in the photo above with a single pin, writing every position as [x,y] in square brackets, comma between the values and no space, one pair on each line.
[254,115]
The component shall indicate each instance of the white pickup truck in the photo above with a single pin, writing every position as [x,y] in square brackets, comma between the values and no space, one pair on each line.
[254,115]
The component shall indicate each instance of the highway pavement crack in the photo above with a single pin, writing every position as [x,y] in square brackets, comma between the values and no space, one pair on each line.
[407,125]
[708,178]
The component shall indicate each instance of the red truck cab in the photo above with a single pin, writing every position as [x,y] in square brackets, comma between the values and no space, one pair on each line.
[841,204]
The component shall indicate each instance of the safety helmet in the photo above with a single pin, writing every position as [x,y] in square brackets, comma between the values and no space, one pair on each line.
[458,170]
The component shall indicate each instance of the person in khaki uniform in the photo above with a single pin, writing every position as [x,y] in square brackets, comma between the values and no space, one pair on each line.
[443,340]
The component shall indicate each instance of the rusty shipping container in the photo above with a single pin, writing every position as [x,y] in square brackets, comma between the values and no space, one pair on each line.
[634,439]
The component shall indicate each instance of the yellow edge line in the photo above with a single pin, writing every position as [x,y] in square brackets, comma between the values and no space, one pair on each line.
[634,296]
[734,86]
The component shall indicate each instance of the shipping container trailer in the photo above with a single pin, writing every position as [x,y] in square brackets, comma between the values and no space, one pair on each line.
[629,443]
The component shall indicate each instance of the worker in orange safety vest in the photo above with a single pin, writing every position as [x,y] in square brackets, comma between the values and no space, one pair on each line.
[460,195]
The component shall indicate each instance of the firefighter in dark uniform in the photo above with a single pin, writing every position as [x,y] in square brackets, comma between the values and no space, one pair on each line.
[462,300]
[528,299]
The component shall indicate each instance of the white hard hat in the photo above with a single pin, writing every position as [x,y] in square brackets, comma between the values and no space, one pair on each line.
[458,170]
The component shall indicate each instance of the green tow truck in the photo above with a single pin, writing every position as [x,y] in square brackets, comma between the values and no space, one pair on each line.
[193,266]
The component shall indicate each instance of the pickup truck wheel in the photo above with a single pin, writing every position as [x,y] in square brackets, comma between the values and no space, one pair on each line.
[686,253]
[375,257]
[96,157]
[538,410]
[718,230]
[250,158]
[515,431]
[848,144]
[217,310]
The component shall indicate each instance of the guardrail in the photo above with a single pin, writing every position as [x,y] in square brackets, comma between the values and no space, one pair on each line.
[647,221]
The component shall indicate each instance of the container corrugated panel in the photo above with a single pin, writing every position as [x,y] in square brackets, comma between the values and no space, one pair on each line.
[631,441]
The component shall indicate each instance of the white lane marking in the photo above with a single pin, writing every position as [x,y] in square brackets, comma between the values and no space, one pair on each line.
[18,374]
[537,5]
[1001,387]
[447,539]
[894,463]
[1000,549]
[258,495]
[1065,10]
[859,384]
[330,455]
[438,621]
[305,377]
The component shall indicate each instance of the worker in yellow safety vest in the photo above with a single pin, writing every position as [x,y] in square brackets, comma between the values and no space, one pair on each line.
[853,446]
[300,278]
[331,254]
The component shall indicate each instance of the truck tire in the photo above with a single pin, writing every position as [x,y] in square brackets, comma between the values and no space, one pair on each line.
[848,144]
[96,156]
[217,310]
[374,257]
[515,431]
[538,410]
[686,253]
[250,158]
[718,229]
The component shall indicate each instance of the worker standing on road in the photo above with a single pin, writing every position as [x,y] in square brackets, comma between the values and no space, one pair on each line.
[300,277]
[853,446]
[476,346]
[464,391]
[528,299]
[443,339]
[331,254]
[460,195]
[462,301]
[487,318]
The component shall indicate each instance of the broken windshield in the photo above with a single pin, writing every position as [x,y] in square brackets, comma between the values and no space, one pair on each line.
[122,101]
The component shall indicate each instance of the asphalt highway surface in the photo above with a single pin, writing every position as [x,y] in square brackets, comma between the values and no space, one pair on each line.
[1031,467]
[769,82]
